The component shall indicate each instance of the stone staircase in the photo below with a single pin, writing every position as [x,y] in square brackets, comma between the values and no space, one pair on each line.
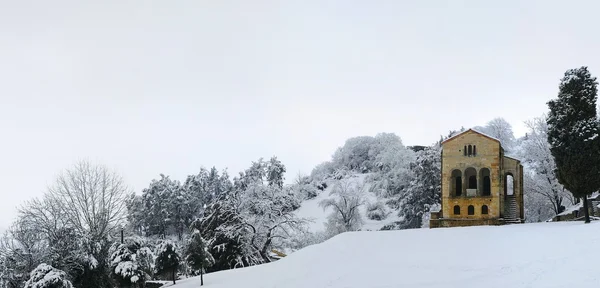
[511,211]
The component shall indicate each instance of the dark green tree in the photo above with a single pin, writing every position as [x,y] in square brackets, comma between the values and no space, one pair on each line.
[197,253]
[167,259]
[573,134]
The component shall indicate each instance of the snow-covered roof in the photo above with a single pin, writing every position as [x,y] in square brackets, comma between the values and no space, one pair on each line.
[473,130]
[511,157]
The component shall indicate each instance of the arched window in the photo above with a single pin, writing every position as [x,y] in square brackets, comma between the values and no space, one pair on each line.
[470,151]
[484,210]
[485,185]
[474,150]
[509,184]
[471,210]
[471,180]
[456,184]
[465,150]
[456,210]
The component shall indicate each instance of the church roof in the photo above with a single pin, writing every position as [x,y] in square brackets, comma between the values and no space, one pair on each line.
[475,131]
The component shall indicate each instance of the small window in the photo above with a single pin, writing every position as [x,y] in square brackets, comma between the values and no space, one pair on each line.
[474,150]
[484,210]
[471,210]
[465,150]
[456,210]
[470,151]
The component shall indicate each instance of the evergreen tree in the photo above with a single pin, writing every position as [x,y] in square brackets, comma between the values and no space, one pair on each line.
[226,248]
[573,134]
[197,254]
[125,269]
[167,259]
[275,172]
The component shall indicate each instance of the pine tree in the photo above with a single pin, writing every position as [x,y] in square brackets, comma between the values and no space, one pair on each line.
[197,253]
[167,259]
[124,266]
[573,134]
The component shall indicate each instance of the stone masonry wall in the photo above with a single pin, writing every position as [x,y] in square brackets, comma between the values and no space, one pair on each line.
[488,156]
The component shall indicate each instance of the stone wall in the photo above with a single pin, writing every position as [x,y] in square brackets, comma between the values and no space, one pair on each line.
[440,223]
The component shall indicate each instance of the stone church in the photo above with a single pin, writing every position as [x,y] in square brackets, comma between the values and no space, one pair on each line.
[480,185]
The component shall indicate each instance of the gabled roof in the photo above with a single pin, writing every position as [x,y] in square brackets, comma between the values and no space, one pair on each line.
[475,131]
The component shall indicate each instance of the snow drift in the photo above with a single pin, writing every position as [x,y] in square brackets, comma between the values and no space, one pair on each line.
[527,255]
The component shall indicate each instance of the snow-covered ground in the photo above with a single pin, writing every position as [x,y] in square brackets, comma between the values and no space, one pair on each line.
[559,254]
[310,209]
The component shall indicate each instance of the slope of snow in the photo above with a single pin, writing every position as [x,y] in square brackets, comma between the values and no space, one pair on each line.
[310,209]
[525,255]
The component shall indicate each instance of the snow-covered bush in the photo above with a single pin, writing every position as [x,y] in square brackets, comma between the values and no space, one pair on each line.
[46,276]
[167,259]
[304,189]
[377,211]
[125,268]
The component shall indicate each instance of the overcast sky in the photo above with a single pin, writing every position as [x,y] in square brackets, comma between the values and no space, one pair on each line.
[150,87]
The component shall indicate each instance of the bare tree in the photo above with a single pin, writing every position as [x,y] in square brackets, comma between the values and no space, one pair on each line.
[348,197]
[92,198]
[536,155]
[21,250]
[502,130]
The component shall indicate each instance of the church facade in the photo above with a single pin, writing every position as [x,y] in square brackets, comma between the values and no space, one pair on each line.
[480,185]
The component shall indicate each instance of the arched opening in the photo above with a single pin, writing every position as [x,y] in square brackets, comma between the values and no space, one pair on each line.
[471,178]
[470,151]
[509,184]
[456,210]
[456,183]
[485,187]
[474,150]
[484,210]
[471,210]
[465,150]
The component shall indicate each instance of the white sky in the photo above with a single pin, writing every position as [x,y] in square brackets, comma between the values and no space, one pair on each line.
[151,87]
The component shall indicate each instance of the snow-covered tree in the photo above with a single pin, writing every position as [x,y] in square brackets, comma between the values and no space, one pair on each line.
[21,250]
[304,188]
[393,161]
[275,171]
[347,196]
[500,129]
[167,259]
[197,253]
[536,156]
[124,266]
[158,212]
[225,244]
[92,197]
[46,276]
[573,134]
[424,190]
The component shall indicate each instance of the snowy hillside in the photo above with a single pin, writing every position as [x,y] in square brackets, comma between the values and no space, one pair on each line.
[310,209]
[505,256]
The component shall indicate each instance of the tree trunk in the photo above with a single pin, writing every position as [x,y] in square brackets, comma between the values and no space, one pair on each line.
[585,208]
[201,276]
[173,275]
